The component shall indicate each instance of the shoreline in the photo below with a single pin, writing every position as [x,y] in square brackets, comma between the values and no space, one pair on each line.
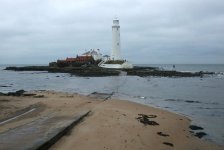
[107,117]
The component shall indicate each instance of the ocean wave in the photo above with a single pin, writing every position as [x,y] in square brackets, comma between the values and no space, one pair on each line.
[219,74]
[182,100]
[192,101]
[217,108]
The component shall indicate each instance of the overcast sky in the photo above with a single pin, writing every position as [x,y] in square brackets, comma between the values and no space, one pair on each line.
[152,31]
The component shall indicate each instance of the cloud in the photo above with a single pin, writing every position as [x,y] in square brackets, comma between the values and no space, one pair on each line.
[152,31]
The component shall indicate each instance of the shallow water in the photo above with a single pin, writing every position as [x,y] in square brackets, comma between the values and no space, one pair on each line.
[201,99]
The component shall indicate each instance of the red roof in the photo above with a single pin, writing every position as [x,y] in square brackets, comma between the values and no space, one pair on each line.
[70,59]
[80,59]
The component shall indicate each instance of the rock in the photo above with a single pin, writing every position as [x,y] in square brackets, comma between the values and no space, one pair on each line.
[29,94]
[144,119]
[194,127]
[17,93]
[38,96]
[95,71]
[148,116]
[5,86]
[191,101]
[167,143]
[200,134]
[162,134]
[2,94]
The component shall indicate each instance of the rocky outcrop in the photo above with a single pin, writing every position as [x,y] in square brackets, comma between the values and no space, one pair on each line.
[94,71]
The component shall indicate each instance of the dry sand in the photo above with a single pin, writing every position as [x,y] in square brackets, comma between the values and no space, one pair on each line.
[112,124]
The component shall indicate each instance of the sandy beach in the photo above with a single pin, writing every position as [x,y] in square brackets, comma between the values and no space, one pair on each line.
[111,124]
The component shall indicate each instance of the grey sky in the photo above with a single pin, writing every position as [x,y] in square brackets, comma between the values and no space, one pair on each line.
[152,31]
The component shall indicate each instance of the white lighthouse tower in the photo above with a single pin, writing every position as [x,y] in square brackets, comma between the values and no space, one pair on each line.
[116,44]
[115,60]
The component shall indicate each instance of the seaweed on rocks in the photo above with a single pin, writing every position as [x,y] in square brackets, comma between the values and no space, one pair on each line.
[194,127]
[17,93]
[148,116]
[28,68]
[144,119]
[162,134]
[95,71]
[167,143]
[197,134]
[200,134]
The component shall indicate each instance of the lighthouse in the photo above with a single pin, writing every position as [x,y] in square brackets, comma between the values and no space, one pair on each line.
[115,61]
[116,45]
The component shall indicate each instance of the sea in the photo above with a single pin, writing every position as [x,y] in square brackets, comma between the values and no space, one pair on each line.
[199,99]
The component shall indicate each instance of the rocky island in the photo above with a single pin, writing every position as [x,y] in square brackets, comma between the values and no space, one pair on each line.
[95,71]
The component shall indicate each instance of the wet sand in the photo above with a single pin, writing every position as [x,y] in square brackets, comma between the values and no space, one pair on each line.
[112,124]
